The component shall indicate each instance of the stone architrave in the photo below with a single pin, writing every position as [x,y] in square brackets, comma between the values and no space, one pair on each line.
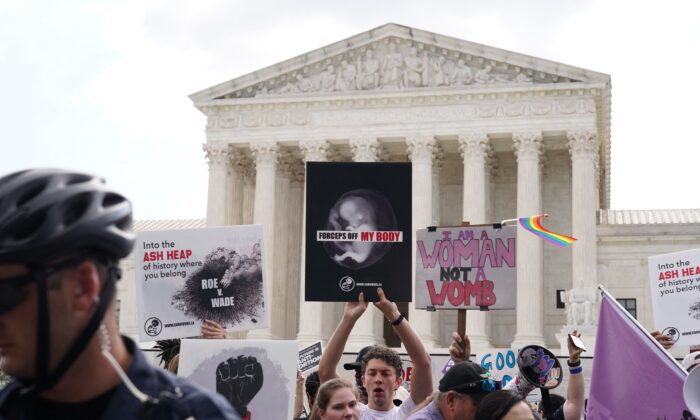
[474,148]
[420,151]
[369,329]
[529,253]
[217,157]
[265,154]
[310,313]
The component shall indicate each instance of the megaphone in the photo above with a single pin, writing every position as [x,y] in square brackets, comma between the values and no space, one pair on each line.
[691,391]
[537,368]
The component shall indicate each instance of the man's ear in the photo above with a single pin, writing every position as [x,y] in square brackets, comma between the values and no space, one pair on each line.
[87,286]
[399,381]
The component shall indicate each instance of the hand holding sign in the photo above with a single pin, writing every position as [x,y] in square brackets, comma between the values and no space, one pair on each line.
[354,310]
[388,308]
[460,348]
[211,329]
[239,380]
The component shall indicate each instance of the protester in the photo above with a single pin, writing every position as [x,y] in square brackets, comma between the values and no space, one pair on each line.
[665,340]
[504,405]
[62,235]
[336,399]
[691,361]
[357,367]
[572,407]
[381,367]
[299,397]
[313,382]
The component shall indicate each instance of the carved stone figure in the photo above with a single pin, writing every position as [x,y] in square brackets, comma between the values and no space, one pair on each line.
[425,75]
[413,70]
[438,76]
[461,75]
[368,77]
[483,75]
[304,84]
[346,76]
[328,77]
[391,68]
[580,307]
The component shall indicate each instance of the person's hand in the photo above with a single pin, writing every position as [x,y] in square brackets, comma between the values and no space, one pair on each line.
[239,380]
[211,329]
[665,340]
[460,348]
[388,308]
[574,352]
[300,380]
[354,310]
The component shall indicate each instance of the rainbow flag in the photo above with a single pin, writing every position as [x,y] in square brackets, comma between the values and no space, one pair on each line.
[534,225]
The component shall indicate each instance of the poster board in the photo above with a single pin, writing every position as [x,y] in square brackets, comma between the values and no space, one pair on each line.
[502,363]
[310,357]
[186,276]
[674,282]
[358,231]
[259,375]
[466,267]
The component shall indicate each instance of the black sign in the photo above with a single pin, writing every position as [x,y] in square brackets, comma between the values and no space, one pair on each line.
[309,357]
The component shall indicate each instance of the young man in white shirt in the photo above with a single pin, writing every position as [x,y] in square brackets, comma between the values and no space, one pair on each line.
[381,366]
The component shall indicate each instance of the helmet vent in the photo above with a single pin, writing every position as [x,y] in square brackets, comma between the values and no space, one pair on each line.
[77,179]
[26,228]
[32,192]
[75,209]
[111,199]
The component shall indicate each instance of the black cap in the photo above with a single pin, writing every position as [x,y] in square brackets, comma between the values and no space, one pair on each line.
[357,364]
[461,375]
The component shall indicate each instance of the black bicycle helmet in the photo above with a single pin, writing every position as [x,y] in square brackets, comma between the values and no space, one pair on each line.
[50,213]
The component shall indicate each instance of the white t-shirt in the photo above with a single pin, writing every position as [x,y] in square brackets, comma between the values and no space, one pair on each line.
[397,413]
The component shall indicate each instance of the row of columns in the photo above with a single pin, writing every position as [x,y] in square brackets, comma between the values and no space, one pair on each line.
[229,191]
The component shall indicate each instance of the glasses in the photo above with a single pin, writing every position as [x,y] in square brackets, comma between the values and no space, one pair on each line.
[484,385]
[13,292]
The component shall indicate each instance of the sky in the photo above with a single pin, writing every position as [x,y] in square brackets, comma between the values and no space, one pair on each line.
[102,86]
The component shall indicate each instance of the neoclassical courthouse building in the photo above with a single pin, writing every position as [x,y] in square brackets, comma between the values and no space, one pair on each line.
[491,135]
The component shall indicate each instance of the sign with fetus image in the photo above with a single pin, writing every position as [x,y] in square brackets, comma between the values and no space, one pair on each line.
[256,377]
[184,277]
[358,231]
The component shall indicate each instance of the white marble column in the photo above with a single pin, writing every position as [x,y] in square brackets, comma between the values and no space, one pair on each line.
[217,157]
[529,310]
[296,219]
[369,329]
[265,154]
[248,173]
[311,314]
[583,146]
[281,246]
[234,190]
[437,171]
[420,152]
[474,148]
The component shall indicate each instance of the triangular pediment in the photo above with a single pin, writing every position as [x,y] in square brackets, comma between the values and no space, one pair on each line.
[394,57]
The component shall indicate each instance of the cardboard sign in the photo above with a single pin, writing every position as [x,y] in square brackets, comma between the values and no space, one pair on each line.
[466,268]
[310,357]
[258,377]
[358,231]
[186,276]
[674,281]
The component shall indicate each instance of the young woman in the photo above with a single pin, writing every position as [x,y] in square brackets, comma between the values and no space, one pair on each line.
[503,405]
[336,400]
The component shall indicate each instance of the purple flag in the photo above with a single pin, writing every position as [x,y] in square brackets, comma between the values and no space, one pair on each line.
[632,377]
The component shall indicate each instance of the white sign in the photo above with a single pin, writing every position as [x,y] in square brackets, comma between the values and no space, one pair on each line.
[674,281]
[256,377]
[502,363]
[184,277]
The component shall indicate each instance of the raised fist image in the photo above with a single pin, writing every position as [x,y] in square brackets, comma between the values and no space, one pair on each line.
[239,380]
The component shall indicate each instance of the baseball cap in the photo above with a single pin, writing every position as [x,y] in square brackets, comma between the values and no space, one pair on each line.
[692,360]
[357,364]
[467,378]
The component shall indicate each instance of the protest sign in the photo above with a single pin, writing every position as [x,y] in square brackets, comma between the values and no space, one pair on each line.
[466,267]
[674,281]
[256,377]
[501,363]
[309,357]
[358,231]
[186,276]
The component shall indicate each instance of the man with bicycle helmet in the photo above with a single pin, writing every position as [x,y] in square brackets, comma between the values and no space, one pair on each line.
[62,235]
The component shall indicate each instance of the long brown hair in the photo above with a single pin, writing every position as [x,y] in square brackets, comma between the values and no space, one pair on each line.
[325,393]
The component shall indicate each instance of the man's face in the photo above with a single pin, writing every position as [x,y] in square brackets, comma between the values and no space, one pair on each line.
[381,381]
[459,406]
[18,327]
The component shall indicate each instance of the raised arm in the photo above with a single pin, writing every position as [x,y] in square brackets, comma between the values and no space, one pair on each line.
[422,378]
[334,348]
[460,348]
[573,406]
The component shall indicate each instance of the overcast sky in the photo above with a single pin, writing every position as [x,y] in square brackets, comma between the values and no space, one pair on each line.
[101,86]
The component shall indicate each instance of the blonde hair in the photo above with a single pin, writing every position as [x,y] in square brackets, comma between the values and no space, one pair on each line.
[326,392]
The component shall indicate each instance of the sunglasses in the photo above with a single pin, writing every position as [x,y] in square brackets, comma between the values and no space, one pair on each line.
[13,292]
[484,385]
